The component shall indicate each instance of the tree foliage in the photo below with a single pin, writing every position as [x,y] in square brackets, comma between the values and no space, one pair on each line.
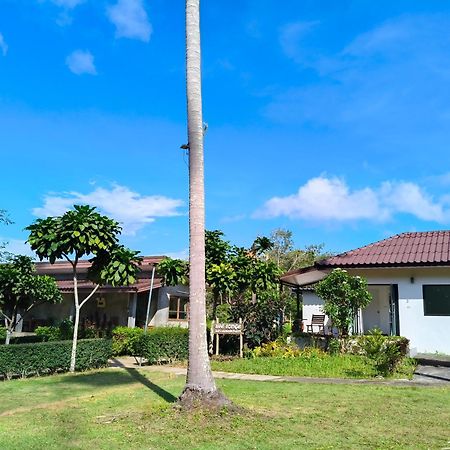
[343,295]
[83,232]
[173,271]
[21,289]
[241,278]
[287,257]
[4,219]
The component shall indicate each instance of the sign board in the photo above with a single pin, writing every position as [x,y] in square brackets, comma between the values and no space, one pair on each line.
[228,328]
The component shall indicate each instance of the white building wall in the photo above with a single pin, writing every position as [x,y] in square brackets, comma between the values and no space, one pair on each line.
[427,334]
[161,317]
[312,304]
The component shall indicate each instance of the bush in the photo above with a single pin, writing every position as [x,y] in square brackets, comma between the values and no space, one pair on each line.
[2,334]
[66,329]
[48,333]
[49,357]
[385,352]
[126,341]
[276,349]
[281,349]
[165,344]
[334,346]
[354,344]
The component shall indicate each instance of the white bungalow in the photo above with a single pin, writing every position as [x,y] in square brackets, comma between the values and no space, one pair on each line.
[409,278]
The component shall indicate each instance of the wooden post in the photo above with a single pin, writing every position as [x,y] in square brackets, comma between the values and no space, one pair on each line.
[241,340]
[217,341]
[211,338]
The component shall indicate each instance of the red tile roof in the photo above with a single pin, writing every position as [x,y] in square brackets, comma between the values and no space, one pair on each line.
[60,267]
[405,249]
[62,271]
[141,285]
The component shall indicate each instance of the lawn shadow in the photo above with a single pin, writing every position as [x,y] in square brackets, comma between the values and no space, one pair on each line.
[123,377]
[165,395]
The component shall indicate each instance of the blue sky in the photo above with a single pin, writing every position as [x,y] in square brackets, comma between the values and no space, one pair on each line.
[331,119]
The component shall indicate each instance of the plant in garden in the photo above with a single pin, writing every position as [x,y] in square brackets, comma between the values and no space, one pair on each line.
[21,289]
[83,232]
[51,357]
[384,352]
[126,341]
[343,295]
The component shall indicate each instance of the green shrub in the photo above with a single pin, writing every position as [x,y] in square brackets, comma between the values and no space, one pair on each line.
[385,352]
[66,329]
[165,344]
[49,357]
[2,334]
[281,349]
[354,344]
[334,346]
[126,341]
[48,333]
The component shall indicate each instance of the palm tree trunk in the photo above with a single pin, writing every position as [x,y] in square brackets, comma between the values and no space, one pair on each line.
[200,387]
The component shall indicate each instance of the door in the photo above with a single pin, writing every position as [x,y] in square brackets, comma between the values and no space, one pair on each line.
[393,311]
[377,312]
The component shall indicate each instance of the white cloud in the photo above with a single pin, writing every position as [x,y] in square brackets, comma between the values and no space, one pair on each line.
[129,208]
[396,70]
[331,199]
[3,45]
[130,19]
[291,36]
[17,247]
[182,254]
[80,62]
[409,198]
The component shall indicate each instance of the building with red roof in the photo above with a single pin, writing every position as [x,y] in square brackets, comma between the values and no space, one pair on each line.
[112,306]
[409,279]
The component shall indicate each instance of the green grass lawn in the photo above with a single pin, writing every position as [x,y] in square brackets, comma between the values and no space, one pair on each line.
[340,366]
[115,409]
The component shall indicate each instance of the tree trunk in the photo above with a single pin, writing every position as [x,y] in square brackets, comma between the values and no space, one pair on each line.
[8,336]
[200,389]
[73,355]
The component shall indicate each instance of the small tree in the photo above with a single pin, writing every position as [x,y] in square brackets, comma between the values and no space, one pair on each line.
[21,289]
[173,271]
[343,295]
[83,232]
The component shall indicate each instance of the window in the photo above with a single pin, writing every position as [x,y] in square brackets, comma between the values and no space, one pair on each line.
[436,300]
[178,308]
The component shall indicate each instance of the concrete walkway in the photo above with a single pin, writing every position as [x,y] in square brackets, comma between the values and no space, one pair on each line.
[426,377]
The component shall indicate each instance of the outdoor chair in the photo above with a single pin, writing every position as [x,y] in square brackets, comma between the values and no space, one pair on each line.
[318,320]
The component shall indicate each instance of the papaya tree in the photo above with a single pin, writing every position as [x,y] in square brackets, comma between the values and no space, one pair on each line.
[21,289]
[82,233]
[343,295]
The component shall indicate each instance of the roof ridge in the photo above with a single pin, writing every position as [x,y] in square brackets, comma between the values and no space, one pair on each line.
[409,247]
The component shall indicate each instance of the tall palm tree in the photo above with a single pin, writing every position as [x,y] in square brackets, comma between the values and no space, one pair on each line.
[200,387]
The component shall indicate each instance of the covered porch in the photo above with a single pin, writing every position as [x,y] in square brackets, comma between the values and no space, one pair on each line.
[382,311]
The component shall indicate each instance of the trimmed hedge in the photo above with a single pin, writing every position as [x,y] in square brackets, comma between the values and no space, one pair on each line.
[2,335]
[165,344]
[49,357]
[126,341]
